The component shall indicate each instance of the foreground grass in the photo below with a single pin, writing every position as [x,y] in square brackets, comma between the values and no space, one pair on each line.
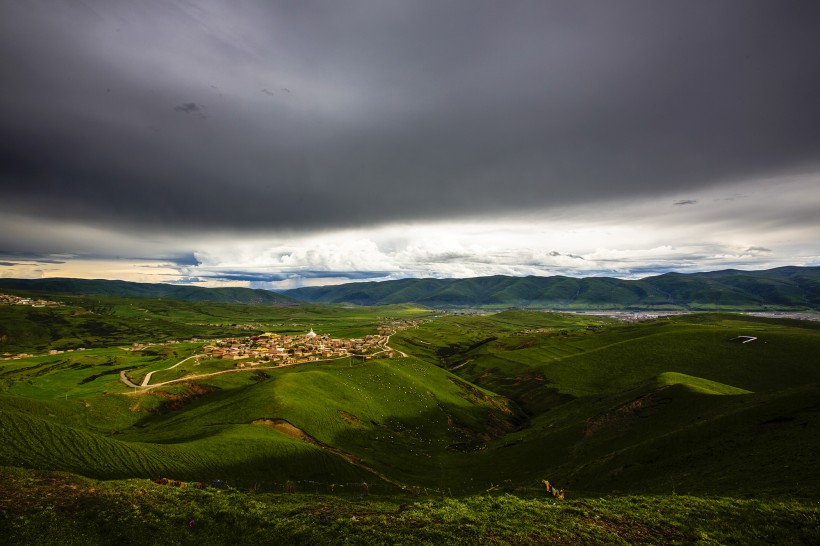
[49,508]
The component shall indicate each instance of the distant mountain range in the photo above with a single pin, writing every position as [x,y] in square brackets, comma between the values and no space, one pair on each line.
[793,287]
[783,287]
[124,289]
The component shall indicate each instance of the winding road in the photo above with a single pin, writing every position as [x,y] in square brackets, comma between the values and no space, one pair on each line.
[147,379]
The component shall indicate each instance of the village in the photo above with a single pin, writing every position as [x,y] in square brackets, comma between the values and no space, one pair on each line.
[283,349]
[8,299]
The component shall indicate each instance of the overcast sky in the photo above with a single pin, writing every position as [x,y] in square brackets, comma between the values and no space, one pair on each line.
[277,144]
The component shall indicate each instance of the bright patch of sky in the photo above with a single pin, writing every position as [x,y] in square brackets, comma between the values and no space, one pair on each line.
[758,225]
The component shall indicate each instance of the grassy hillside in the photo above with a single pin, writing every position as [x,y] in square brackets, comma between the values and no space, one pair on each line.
[392,422]
[100,321]
[785,287]
[673,404]
[36,508]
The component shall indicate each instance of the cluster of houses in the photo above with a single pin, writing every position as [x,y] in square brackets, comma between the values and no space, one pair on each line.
[9,356]
[139,346]
[8,299]
[398,325]
[290,349]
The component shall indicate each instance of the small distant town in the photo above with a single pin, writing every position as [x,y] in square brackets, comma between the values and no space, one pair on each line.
[282,349]
[8,299]
[290,349]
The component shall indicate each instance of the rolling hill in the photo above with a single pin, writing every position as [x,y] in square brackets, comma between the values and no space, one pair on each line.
[124,289]
[785,287]
[780,288]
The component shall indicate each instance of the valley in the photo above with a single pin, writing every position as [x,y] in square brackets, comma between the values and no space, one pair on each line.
[434,404]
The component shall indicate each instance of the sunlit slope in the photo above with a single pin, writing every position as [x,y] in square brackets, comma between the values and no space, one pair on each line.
[393,421]
[234,453]
[698,384]
[398,417]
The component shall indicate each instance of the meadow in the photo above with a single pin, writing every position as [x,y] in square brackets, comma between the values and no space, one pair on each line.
[675,412]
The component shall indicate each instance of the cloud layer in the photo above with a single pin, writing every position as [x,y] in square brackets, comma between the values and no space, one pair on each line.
[161,114]
[622,239]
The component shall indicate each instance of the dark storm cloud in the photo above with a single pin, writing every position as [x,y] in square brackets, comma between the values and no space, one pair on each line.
[276,277]
[683,202]
[30,257]
[188,108]
[245,277]
[575,256]
[389,111]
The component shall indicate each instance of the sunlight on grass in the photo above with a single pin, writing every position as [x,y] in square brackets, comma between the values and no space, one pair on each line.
[698,384]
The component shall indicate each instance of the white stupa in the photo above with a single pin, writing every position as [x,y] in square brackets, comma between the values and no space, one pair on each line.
[311,334]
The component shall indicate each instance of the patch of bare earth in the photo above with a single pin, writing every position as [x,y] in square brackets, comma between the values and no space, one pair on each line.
[31,491]
[633,531]
[350,419]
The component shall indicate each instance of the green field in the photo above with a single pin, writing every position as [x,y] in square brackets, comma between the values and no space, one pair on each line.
[669,411]
[103,321]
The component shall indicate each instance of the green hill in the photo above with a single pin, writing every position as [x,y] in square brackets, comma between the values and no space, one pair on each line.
[780,288]
[633,407]
[124,289]
[785,287]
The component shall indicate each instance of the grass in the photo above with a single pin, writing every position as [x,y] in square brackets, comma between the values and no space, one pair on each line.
[698,384]
[94,322]
[36,508]
[397,417]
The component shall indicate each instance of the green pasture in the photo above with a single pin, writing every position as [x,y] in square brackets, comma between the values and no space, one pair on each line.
[94,322]
[673,405]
